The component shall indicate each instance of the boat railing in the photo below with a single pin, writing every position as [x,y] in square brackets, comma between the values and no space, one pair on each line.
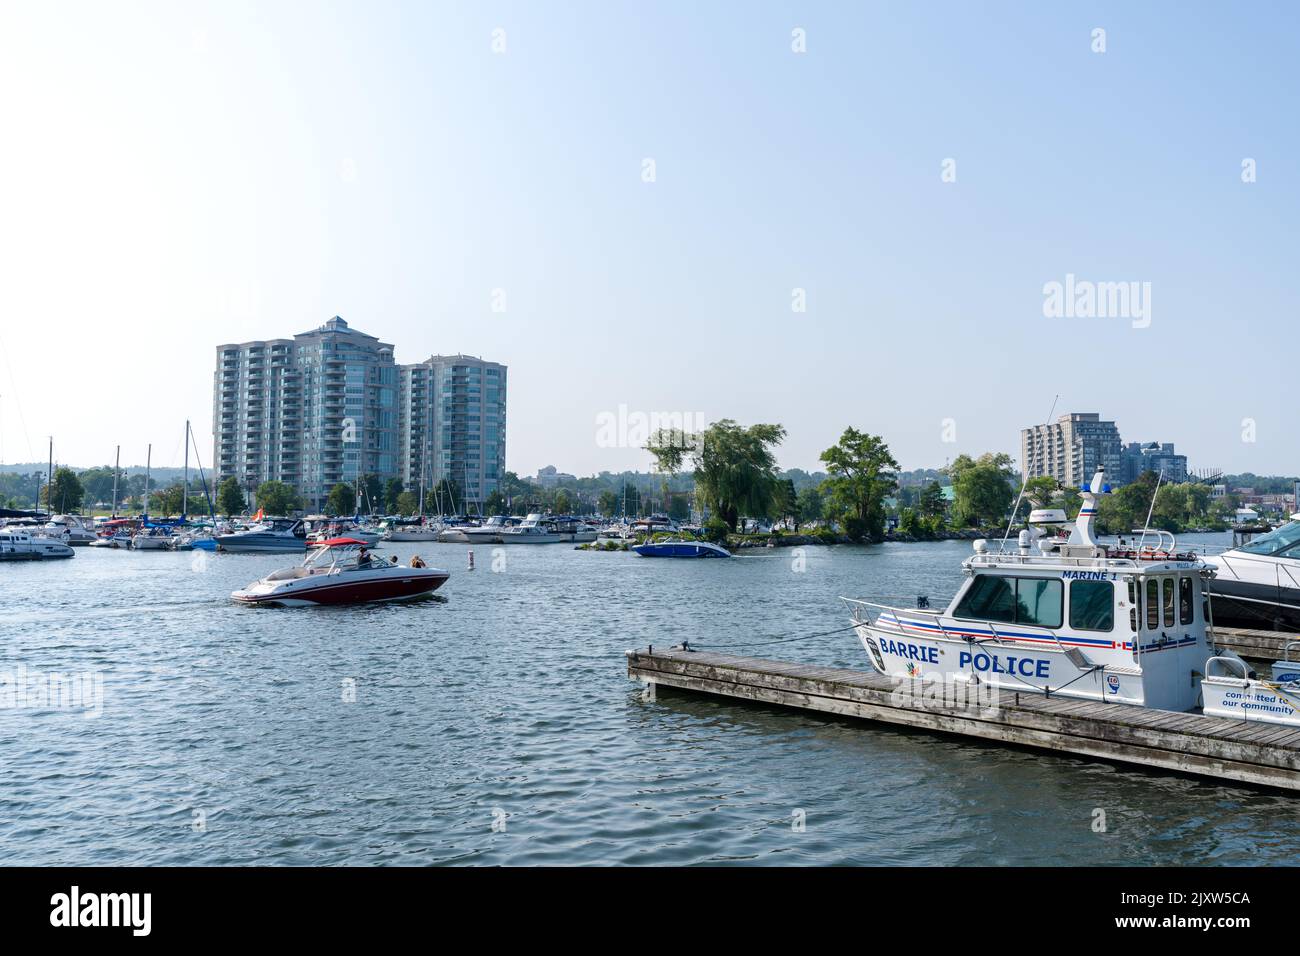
[870,612]
[1226,664]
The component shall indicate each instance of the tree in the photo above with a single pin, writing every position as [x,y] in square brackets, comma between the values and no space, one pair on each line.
[495,504]
[342,500]
[1126,509]
[65,493]
[810,504]
[679,507]
[168,501]
[608,503]
[408,502]
[562,505]
[391,492]
[372,490]
[981,488]
[785,501]
[230,497]
[443,498]
[861,473]
[734,467]
[932,503]
[277,498]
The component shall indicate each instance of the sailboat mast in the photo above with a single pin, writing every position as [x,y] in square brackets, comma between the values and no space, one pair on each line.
[49,482]
[117,463]
[185,488]
[148,462]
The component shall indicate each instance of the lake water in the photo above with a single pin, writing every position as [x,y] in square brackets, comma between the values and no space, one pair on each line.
[495,725]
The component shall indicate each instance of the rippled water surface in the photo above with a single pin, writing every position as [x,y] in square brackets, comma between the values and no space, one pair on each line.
[225,736]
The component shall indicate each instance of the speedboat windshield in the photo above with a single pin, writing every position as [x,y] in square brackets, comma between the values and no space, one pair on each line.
[1280,542]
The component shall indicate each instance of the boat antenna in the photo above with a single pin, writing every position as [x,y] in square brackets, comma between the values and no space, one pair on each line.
[1025,483]
[1159,478]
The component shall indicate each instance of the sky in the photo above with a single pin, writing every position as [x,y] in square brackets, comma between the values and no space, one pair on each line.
[647,188]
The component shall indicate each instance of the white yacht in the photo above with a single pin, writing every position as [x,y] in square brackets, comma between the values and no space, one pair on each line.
[534,529]
[78,530]
[419,529]
[490,531]
[1257,583]
[21,545]
[270,534]
[1076,618]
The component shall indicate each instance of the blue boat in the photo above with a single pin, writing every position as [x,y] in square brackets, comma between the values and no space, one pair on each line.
[681,548]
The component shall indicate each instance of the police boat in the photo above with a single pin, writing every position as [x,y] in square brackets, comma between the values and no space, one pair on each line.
[1128,623]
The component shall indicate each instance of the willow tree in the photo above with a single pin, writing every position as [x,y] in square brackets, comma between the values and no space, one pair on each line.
[734,466]
[861,473]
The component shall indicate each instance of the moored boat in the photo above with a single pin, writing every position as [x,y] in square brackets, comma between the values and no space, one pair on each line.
[534,529]
[1073,617]
[269,534]
[21,545]
[681,548]
[1257,584]
[342,571]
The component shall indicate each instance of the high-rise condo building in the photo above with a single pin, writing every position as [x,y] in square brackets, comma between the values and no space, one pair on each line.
[454,425]
[331,405]
[1071,448]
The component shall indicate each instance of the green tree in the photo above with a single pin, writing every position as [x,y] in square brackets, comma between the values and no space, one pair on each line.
[65,493]
[679,508]
[167,502]
[562,505]
[810,504]
[372,492]
[608,503]
[342,500]
[861,474]
[734,466]
[785,501]
[981,489]
[1126,508]
[277,498]
[932,503]
[444,498]
[495,504]
[391,492]
[230,497]
[408,502]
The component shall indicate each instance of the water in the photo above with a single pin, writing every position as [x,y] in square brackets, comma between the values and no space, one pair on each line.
[225,737]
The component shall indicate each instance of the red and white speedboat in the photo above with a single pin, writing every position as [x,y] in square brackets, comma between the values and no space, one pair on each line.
[341,571]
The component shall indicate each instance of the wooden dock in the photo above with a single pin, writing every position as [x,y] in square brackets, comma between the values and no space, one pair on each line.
[1217,747]
[1255,645]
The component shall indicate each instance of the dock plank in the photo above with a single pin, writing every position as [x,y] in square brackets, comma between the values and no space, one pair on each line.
[1215,747]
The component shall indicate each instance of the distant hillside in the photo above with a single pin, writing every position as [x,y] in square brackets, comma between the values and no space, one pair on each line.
[158,475]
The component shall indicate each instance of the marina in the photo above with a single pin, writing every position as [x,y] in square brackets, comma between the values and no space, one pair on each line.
[292,728]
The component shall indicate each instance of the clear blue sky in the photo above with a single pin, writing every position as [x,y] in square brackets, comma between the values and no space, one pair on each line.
[176,176]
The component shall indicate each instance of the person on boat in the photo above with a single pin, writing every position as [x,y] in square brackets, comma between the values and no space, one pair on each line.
[418,562]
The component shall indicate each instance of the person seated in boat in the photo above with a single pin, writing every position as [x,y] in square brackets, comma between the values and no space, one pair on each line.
[394,561]
[418,562]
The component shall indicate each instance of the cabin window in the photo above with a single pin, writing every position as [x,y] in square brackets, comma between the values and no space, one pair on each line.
[1038,601]
[990,598]
[1167,599]
[1013,600]
[1092,605]
[1153,605]
[1185,600]
[1133,606]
